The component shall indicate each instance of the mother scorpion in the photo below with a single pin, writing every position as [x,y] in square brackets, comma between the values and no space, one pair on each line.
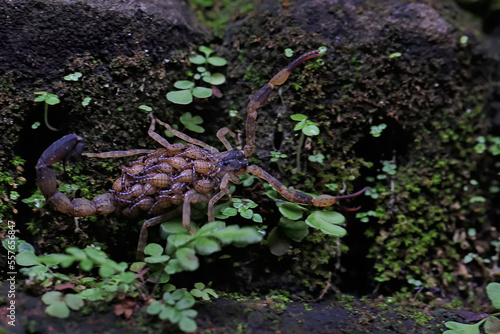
[180,173]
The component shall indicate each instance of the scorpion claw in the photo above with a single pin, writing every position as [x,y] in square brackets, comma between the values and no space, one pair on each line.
[349,209]
[328,200]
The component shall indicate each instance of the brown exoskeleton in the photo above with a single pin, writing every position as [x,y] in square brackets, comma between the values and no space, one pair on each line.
[174,175]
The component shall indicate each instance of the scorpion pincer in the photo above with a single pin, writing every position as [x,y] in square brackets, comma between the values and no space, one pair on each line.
[175,175]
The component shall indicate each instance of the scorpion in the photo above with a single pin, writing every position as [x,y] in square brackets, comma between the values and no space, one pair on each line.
[175,175]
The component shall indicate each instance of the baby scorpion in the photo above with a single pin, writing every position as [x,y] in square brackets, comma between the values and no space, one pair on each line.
[175,175]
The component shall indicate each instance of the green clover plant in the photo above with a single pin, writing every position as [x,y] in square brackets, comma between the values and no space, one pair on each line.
[101,279]
[48,99]
[190,122]
[376,130]
[59,304]
[188,89]
[293,226]
[275,156]
[306,128]
[86,101]
[240,206]
[73,76]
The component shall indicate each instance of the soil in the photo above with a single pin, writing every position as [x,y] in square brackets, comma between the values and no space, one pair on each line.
[130,53]
[331,315]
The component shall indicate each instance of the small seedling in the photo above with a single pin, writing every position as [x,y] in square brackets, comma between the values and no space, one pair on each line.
[288,52]
[73,76]
[376,130]
[243,207]
[192,122]
[49,99]
[319,158]
[389,169]
[188,89]
[200,291]
[395,55]
[309,128]
[86,101]
[207,59]
[306,128]
[275,156]
[35,201]
[145,108]
[176,306]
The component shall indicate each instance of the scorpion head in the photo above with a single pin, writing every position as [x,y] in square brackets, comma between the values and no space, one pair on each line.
[232,162]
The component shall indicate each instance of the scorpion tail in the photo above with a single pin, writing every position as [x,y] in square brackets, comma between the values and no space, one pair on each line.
[68,146]
[260,98]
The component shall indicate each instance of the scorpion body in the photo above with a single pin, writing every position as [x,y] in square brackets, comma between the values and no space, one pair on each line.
[175,175]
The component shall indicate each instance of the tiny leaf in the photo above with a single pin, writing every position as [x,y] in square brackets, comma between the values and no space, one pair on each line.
[187,258]
[187,325]
[155,307]
[217,61]
[492,325]
[183,84]
[197,59]
[278,243]
[310,130]
[58,310]
[180,96]
[27,259]
[153,249]
[186,302]
[51,297]
[291,211]
[210,228]
[206,246]
[327,222]
[217,79]
[202,92]
[458,328]
[74,301]
[298,117]
[296,230]
[493,291]
[234,233]
[206,50]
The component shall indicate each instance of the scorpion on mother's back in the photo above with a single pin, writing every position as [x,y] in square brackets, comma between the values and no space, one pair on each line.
[175,175]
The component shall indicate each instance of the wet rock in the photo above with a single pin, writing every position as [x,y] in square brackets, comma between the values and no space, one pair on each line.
[37,37]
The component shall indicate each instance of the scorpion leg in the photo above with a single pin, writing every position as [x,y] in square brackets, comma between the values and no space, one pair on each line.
[263,94]
[143,236]
[117,154]
[151,132]
[224,190]
[221,135]
[176,133]
[191,197]
[297,196]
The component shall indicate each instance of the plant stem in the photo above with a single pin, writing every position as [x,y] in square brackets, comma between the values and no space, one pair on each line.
[299,150]
[46,117]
